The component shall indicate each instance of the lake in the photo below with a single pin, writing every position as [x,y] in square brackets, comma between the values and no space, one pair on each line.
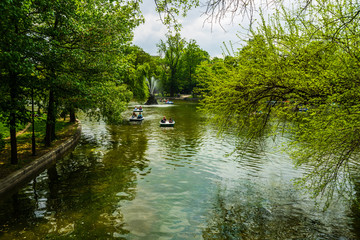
[141,181]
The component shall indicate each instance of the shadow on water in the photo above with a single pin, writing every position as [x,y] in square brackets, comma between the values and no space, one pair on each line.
[81,190]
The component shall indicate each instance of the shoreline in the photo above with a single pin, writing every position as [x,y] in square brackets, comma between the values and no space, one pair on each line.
[16,179]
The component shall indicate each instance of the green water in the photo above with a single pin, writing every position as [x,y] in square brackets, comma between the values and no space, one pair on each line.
[140,181]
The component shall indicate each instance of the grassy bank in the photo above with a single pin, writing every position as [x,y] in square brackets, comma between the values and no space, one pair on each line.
[64,130]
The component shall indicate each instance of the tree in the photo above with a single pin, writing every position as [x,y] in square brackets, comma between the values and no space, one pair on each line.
[193,55]
[171,50]
[81,48]
[291,63]
[16,46]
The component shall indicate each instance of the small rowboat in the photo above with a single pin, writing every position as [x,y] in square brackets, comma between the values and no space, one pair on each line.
[167,124]
[136,119]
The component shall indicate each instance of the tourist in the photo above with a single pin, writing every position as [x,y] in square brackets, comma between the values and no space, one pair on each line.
[163,120]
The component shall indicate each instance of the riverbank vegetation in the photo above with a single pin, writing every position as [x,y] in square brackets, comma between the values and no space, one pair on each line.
[298,74]
[64,130]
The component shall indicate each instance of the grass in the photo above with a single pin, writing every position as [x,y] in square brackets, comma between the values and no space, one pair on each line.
[4,130]
[64,130]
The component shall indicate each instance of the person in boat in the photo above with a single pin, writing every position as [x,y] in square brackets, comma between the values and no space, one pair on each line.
[170,120]
[140,108]
[140,115]
[135,108]
[133,115]
[163,120]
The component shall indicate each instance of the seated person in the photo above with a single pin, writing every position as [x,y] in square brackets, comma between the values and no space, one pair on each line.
[133,115]
[135,108]
[163,120]
[140,108]
[170,120]
[140,115]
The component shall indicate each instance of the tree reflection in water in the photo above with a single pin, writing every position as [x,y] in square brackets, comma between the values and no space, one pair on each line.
[249,217]
[81,190]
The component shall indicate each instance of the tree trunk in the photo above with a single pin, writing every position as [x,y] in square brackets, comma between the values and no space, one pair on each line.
[13,96]
[172,84]
[33,142]
[50,120]
[14,158]
[72,115]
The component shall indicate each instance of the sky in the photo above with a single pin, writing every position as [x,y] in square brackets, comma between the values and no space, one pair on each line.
[209,38]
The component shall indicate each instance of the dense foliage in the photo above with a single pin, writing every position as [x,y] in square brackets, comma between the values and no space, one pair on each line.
[179,60]
[298,73]
[69,54]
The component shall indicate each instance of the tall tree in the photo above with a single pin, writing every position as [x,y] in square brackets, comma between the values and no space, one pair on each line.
[193,55]
[16,47]
[171,51]
[80,39]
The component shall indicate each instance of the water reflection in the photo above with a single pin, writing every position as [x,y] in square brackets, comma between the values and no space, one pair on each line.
[248,214]
[82,190]
[355,207]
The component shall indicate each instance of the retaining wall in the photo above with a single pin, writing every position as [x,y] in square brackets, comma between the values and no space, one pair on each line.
[21,176]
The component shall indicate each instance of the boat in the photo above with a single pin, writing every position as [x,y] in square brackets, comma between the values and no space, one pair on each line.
[136,119]
[167,124]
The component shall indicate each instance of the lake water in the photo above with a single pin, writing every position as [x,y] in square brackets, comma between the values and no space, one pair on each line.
[141,181]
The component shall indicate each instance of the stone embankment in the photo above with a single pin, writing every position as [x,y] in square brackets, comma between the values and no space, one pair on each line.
[19,177]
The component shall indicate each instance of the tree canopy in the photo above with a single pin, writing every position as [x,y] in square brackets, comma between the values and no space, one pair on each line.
[179,61]
[297,74]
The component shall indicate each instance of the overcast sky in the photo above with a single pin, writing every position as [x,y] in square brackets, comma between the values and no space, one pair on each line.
[209,38]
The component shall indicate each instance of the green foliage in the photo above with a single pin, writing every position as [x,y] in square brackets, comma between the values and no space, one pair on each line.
[111,100]
[291,62]
[180,60]
[139,67]
[171,51]
[191,57]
